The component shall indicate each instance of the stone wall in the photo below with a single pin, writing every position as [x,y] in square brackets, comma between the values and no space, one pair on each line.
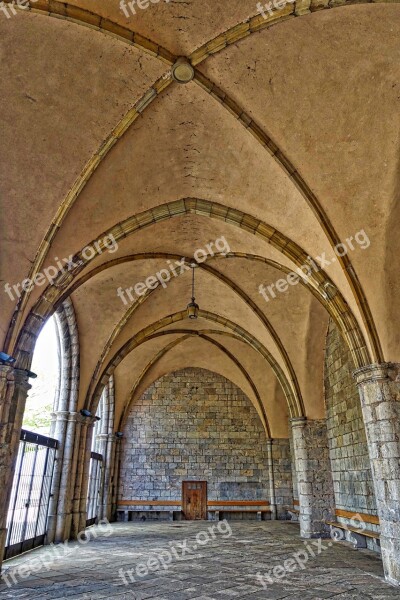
[294,474]
[282,464]
[194,424]
[349,456]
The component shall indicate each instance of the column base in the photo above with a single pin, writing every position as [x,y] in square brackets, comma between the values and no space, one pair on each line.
[390,548]
[3,537]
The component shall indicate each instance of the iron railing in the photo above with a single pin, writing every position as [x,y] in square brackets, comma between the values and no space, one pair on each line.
[31,492]
[93,497]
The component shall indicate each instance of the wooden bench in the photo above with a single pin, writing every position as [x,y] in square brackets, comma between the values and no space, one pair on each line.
[143,515]
[170,509]
[219,515]
[260,508]
[356,535]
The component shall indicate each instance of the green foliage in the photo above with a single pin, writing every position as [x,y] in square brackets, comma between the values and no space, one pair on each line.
[38,418]
[39,404]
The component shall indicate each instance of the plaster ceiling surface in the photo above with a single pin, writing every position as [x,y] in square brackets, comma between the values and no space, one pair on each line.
[181,26]
[320,87]
[208,291]
[56,120]
[285,143]
[305,321]
[188,145]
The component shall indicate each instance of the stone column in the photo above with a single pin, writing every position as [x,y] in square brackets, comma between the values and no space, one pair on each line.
[106,447]
[58,428]
[108,491]
[271,477]
[101,448]
[81,470]
[63,479]
[314,477]
[5,399]
[282,466]
[293,465]
[14,388]
[379,388]
[85,470]
[116,477]
[77,465]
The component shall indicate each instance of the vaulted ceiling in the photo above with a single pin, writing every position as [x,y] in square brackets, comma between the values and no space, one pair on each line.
[285,143]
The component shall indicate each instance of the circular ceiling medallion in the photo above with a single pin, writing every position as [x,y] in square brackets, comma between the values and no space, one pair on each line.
[182,70]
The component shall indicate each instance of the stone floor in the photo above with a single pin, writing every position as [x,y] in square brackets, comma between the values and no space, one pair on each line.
[179,561]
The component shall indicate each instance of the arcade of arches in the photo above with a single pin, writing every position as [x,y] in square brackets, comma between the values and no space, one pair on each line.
[250,161]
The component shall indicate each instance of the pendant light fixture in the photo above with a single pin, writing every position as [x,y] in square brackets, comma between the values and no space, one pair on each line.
[192,307]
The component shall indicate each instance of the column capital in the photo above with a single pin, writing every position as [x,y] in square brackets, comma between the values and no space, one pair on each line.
[298,421]
[377,372]
[21,379]
[73,417]
[60,415]
[87,421]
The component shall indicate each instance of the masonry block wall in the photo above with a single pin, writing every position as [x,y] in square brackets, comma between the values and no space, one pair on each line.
[294,474]
[194,424]
[282,462]
[349,456]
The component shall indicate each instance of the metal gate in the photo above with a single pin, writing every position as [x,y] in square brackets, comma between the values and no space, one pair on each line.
[30,496]
[93,497]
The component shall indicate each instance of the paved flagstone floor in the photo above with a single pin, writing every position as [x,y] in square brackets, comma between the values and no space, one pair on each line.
[201,565]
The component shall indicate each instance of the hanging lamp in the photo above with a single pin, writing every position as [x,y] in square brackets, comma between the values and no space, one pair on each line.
[192,307]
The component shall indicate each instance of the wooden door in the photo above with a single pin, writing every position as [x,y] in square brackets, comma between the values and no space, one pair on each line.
[194,500]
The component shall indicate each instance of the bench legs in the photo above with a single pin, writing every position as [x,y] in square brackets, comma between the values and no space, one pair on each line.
[359,541]
[214,515]
[218,515]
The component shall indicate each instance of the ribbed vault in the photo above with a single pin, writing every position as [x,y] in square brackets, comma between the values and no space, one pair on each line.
[268,148]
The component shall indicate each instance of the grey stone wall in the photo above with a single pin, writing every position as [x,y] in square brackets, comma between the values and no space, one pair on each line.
[294,474]
[351,472]
[282,463]
[194,424]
